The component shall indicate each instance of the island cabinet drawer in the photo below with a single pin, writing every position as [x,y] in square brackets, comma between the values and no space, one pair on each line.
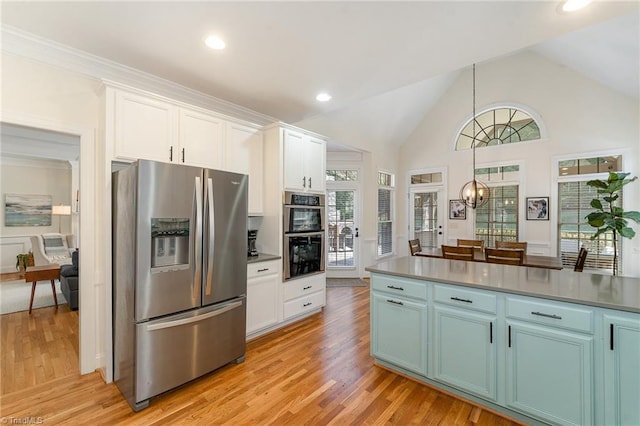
[399,286]
[258,269]
[468,299]
[550,313]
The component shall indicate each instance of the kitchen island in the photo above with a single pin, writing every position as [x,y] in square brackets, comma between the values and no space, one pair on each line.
[539,345]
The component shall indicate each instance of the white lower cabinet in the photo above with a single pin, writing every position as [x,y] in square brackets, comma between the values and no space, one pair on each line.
[621,393]
[263,280]
[304,295]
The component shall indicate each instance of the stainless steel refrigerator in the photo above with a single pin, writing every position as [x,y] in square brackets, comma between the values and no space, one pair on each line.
[179,275]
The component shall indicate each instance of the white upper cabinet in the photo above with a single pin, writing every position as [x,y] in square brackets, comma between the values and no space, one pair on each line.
[200,140]
[244,154]
[304,162]
[143,127]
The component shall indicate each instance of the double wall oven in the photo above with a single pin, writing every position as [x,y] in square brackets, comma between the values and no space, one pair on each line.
[304,238]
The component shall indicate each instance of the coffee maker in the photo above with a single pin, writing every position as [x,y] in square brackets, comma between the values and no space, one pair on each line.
[251,242]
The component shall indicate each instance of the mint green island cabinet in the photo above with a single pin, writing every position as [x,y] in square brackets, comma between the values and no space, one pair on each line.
[542,346]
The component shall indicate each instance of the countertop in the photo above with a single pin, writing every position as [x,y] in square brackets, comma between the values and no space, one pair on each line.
[262,257]
[604,291]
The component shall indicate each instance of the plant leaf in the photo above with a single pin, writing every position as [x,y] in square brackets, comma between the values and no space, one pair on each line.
[598,184]
[633,215]
[627,233]
[596,204]
[617,211]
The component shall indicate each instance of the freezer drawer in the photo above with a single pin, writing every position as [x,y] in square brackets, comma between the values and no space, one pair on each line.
[176,349]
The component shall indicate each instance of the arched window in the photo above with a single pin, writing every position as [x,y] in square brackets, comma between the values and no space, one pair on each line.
[499,126]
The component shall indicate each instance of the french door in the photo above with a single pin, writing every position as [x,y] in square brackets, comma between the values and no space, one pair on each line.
[426,216]
[342,233]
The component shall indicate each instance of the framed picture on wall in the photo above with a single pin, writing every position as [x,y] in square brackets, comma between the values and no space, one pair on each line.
[537,208]
[457,210]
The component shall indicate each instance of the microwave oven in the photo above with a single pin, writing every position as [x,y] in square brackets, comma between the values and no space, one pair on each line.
[303,213]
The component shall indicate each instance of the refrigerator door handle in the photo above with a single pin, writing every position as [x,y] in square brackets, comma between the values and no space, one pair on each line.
[197,241]
[197,318]
[211,235]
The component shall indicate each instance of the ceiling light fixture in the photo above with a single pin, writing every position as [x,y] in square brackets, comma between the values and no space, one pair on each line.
[474,193]
[573,5]
[215,43]
[323,97]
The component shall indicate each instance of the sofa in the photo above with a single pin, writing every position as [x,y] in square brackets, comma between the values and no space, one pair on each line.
[52,248]
[69,281]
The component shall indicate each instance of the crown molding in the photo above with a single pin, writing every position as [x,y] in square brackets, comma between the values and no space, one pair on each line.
[38,163]
[22,43]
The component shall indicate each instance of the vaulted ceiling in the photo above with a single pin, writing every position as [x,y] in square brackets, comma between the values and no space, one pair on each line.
[279,55]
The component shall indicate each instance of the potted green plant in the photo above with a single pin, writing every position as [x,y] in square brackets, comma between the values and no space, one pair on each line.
[611,217]
[23,260]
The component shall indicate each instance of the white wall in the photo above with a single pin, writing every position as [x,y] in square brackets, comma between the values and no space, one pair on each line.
[580,115]
[42,177]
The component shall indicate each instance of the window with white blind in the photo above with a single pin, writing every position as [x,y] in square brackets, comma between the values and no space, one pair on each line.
[385,213]
[574,204]
[497,220]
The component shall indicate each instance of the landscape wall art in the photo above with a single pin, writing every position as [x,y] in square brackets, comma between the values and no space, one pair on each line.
[27,210]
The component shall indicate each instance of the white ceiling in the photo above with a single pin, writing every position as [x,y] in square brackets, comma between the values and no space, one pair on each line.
[281,54]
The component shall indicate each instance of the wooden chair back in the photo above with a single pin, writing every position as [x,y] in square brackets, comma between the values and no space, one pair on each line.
[504,256]
[457,253]
[470,243]
[414,247]
[582,257]
[512,245]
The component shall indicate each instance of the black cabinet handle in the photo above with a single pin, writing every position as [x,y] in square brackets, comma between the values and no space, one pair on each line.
[307,304]
[540,314]
[309,182]
[183,155]
[395,302]
[490,332]
[304,182]
[509,336]
[307,287]
[610,336]
[395,288]
[462,300]
[170,153]
[262,270]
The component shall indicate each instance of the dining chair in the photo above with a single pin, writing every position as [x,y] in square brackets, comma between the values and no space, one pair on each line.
[504,256]
[470,243]
[457,253]
[512,245]
[414,246]
[582,257]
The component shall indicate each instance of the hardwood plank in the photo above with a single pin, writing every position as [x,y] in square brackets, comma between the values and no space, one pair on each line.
[317,371]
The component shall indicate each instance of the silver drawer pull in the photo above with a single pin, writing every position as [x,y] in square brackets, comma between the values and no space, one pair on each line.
[307,287]
[540,314]
[307,304]
[462,300]
[262,270]
[395,302]
[395,288]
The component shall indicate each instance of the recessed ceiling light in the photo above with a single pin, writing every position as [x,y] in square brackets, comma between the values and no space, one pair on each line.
[215,43]
[323,97]
[573,5]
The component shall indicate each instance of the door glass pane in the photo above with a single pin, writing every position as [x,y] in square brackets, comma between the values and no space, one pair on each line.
[341,226]
[425,218]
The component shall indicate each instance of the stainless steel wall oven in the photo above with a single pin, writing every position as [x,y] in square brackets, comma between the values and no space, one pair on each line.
[304,234]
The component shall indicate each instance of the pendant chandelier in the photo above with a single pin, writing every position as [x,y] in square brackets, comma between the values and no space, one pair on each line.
[474,193]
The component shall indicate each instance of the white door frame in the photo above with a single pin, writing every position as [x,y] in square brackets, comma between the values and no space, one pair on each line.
[89,357]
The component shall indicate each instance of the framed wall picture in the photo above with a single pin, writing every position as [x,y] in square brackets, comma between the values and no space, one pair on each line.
[537,208]
[457,210]
[27,210]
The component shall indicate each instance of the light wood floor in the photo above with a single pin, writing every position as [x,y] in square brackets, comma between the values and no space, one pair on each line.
[317,371]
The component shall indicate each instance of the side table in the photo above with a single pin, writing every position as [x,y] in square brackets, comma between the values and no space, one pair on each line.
[34,274]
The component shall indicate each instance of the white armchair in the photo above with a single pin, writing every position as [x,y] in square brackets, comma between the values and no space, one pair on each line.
[51,248]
